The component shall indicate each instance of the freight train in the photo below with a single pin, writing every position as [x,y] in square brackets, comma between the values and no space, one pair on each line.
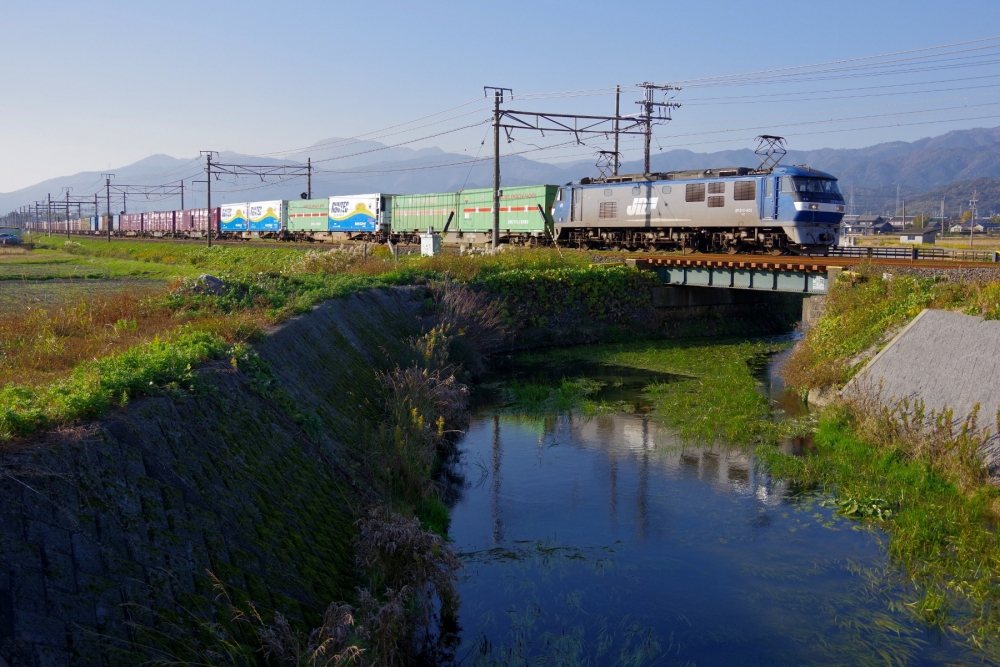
[783,209]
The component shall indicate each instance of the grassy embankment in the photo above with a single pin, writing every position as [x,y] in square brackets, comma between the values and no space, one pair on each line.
[917,476]
[142,321]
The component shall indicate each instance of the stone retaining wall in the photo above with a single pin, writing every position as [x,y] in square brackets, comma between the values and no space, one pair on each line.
[113,526]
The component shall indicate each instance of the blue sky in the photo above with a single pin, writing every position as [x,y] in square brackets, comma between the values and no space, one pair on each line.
[99,83]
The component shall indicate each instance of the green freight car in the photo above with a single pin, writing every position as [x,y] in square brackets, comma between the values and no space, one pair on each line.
[308,216]
[520,220]
[413,215]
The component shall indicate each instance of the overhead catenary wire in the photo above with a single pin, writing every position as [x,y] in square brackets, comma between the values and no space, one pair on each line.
[724,77]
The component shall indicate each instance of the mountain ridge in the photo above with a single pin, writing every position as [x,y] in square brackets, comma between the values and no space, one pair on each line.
[871,173]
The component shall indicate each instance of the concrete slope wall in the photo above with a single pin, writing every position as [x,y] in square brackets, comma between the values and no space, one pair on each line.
[117,522]
[945,359]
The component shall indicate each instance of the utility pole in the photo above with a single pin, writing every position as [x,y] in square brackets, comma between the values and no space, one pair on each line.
[309,178]
[942,216]
[67,210]
[49,217]
[107,185]
[208,192]
[973,205]
[497,101]
[618,98]
[182,195]
[647,111]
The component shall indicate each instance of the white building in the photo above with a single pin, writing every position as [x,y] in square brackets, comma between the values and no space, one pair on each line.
[925,235]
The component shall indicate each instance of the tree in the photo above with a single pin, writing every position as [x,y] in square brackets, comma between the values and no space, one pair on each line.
[966,216]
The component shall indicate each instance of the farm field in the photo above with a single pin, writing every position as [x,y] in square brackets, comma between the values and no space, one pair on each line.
[20,294]
[956,241]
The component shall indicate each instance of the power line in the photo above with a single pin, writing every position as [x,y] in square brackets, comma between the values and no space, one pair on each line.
[693,82]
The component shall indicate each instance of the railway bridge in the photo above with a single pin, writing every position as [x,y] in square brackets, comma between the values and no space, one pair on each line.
[798,274]
[733,284]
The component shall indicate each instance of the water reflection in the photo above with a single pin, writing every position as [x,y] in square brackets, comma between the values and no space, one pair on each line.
[496,511]
[607,540]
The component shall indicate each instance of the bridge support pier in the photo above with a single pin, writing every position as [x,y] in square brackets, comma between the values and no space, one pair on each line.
[813,308]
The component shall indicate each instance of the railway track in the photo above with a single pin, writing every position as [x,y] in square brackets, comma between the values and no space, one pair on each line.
[316,245]
[801,263]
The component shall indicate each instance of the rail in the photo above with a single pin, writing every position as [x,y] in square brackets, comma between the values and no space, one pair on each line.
[914,253]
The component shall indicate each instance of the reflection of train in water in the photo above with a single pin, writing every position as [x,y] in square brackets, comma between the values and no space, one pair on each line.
[732,210]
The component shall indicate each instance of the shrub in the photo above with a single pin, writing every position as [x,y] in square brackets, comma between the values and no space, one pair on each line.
[616,294]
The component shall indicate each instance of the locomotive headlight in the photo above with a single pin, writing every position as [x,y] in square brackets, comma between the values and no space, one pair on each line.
[840,209]
[813,207]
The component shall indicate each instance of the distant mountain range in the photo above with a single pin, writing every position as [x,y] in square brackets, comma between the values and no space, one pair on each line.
[870,176]
[957,195]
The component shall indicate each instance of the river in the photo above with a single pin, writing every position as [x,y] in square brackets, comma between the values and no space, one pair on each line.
[606,540]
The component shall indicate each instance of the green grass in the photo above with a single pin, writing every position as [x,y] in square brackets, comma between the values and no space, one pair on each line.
[96,386]
[606,294]
[56,264]
[570,394]
[942,539]
[716,399]
[186,257]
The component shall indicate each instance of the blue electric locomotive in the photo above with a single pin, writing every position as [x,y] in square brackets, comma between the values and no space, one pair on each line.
[784,209]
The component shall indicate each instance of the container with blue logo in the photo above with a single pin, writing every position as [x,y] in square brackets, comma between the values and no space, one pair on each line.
[233,217]
[267,216]
[355,213]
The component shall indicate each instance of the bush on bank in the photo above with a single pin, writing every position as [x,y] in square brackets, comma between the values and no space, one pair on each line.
[615,294]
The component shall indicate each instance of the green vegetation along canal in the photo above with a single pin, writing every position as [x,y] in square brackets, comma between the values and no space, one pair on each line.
[593,535]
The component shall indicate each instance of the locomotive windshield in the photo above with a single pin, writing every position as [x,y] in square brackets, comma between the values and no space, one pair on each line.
[816,186]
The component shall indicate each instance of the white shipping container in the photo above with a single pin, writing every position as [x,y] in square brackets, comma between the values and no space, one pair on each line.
[355,213]
[267,216]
